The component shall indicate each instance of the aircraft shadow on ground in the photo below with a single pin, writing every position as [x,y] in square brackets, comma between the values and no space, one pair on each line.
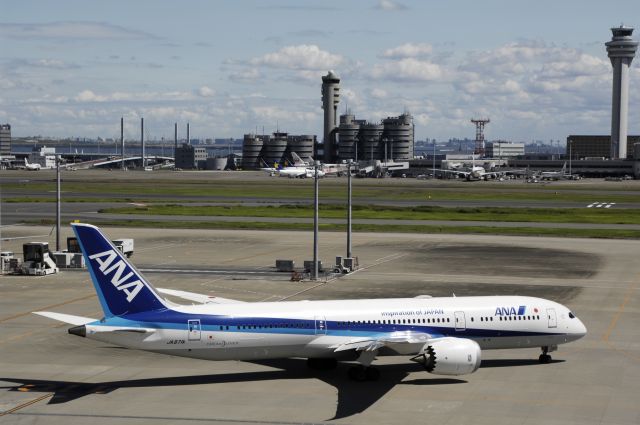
[353,397]
[514,362]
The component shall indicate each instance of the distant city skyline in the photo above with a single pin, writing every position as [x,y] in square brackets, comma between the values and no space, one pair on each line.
[539,70]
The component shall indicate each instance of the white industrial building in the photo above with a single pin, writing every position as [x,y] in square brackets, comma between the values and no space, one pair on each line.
[502,149]
[44,156]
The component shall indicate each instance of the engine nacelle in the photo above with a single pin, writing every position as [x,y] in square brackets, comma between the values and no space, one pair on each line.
[450,356]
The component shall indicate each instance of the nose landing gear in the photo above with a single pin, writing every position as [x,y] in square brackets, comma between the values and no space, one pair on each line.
[545,357]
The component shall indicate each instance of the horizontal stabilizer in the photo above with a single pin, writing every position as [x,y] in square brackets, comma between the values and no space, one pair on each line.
[199,298]
[66,318]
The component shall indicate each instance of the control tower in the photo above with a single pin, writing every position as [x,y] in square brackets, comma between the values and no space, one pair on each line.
[330,99]
[621,50]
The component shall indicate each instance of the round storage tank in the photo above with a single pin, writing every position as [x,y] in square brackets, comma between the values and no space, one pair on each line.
[369,146]
[302,145]
[217,164]
[399,133]
[251,150]
[274,149]
[347,138]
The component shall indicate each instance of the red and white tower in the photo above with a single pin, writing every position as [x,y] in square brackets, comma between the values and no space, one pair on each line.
[480,123]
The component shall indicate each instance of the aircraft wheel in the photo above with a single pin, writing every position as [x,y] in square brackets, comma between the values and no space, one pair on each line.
[544,358]
[373,374]
[358,373]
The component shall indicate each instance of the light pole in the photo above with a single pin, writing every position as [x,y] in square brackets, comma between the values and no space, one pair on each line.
[349,162]
[58,203]
[315,220]
[434,159]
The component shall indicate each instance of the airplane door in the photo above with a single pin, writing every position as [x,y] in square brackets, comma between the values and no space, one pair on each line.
[461,323]
[553,321]
[194,330]
[321,325]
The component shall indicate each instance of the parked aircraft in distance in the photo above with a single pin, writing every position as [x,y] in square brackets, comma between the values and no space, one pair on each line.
[445,335]
[31,167]
[479,173]
[299,168]
[558,175]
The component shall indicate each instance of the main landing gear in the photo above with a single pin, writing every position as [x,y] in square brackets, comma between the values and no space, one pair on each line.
[364,373]
[545,357]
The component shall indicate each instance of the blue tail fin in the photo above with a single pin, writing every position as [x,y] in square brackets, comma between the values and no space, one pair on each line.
[121,288]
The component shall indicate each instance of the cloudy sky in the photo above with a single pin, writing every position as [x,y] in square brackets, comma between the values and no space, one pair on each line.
[538,69]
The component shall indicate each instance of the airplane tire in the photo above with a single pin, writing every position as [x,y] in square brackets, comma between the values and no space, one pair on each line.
[373,374]
[544,358]
[358,373]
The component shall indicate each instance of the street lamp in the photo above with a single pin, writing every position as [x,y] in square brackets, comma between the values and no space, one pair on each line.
[349,163]
[315,219]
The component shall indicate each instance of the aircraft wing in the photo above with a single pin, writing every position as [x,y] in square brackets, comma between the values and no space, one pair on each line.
[199,298]
[66,318]
[402,342]
[457,172]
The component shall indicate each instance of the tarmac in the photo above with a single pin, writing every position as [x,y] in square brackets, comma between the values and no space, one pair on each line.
[48,376]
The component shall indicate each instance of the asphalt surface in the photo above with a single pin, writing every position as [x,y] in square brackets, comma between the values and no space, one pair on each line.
[48,376]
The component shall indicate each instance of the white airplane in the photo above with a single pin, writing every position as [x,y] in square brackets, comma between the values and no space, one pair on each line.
[479,173]
[302,172]
[31,167]
[558,175]
[445,335]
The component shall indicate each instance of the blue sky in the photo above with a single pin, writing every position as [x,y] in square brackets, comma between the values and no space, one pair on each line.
[538,69]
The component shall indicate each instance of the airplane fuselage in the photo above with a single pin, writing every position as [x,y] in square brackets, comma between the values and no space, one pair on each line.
[249,331]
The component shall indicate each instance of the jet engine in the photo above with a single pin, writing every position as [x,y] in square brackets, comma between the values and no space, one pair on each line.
[450,356]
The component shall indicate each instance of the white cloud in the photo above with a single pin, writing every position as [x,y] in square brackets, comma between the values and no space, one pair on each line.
[271,114]
[301,57]
[378,93]
[205,91]
[408,50]
[249,75]
[408,70]
[86,96]
[390,5]
[70,30]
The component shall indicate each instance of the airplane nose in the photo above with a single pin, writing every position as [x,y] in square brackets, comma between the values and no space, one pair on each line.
[581,329]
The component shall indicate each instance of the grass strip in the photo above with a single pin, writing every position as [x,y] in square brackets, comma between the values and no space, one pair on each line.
[540,215]
[273,189]
[424,229]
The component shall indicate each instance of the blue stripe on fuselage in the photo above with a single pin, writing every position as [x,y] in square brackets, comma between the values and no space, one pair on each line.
[170,319]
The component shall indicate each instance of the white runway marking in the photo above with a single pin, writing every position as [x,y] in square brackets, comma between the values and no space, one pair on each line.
[601,205]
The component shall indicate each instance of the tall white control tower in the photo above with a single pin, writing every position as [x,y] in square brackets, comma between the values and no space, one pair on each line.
[621,50]
[330,100]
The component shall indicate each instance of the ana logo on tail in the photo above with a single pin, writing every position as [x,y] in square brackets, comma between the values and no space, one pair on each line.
[104,259]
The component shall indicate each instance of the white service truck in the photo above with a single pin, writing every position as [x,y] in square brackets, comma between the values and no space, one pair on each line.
[124,245]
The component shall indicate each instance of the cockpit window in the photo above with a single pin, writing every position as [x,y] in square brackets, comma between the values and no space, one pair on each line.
[571,315]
